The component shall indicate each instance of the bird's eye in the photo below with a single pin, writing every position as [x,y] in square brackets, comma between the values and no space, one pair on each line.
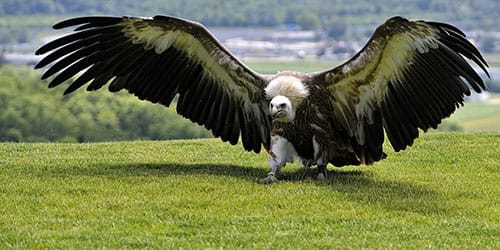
[282,106]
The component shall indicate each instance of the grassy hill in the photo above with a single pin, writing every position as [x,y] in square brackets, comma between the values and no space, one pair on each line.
[478,117]
[441,193]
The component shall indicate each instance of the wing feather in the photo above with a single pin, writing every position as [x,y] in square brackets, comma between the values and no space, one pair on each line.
[412,72]
[158,58]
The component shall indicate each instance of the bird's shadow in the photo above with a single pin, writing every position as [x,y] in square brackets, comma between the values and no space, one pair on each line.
[356,185]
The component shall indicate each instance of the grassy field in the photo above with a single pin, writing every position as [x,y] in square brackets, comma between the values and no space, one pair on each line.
[478,117]
[441,193]
[271,67]
[493,59]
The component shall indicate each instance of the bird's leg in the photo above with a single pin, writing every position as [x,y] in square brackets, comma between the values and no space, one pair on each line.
[281,152]
[321,157]
[275,170]
[322,172]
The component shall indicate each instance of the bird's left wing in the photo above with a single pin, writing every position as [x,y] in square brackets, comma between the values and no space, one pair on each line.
[158,58]
[410,75]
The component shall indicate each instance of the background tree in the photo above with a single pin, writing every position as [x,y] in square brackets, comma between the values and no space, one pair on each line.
[307,20]
[31,112]
[2,57]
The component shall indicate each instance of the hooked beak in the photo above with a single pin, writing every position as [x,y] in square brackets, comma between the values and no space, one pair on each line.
[277,112]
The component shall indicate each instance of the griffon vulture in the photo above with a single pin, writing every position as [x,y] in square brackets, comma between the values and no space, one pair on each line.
[409,76]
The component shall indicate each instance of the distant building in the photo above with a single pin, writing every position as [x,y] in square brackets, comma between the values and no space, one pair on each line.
[478,97]
[21,59]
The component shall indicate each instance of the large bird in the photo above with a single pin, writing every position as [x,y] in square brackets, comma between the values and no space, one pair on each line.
[409,76]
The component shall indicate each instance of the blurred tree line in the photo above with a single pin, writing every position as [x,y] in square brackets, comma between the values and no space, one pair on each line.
[31,112]
[312,14]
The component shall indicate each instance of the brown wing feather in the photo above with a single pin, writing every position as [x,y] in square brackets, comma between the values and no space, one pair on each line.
[410,75]
[158,58]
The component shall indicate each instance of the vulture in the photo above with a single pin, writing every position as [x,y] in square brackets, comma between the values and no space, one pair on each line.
[408,77]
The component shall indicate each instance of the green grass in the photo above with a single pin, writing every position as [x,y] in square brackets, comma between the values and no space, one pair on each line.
[271,67]
[478,117]
[493,59]
[441,193]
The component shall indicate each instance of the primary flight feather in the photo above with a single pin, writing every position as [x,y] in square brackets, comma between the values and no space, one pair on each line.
[409,76]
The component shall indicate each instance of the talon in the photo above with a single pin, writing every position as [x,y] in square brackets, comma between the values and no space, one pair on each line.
[268,180]
[321,177]
[322,173]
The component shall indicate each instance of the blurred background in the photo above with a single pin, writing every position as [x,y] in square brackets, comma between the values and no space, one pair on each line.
[268,35]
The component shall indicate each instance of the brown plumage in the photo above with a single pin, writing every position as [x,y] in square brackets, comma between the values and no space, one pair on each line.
[409,76]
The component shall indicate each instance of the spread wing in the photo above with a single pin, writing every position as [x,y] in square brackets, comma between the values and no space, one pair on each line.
[158,58]
[410,75]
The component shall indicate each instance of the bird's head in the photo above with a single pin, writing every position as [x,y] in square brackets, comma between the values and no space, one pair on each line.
[282,109]
[286,93]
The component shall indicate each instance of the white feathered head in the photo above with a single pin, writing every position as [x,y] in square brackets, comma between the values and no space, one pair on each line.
[286,93]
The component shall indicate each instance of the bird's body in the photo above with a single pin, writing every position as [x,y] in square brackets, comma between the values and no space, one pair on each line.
[409,76]
[313,138]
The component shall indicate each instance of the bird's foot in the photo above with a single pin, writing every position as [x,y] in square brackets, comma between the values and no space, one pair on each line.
[321,177]
[267,180]
[322,173]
